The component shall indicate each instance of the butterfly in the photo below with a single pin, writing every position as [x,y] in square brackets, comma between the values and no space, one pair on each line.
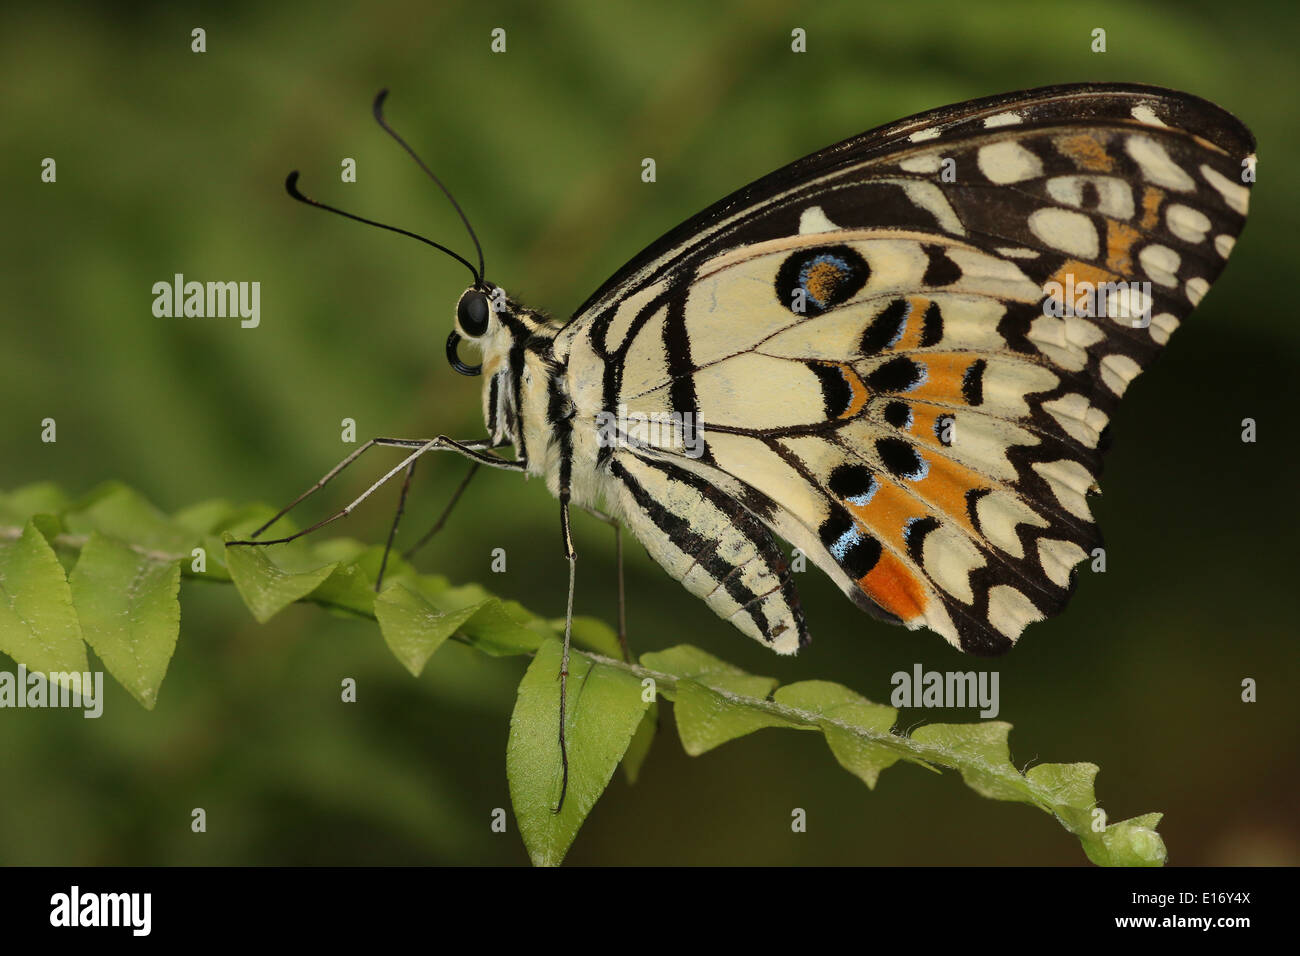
[900,354]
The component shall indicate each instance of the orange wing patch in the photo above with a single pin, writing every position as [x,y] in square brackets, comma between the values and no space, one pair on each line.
[1151,199]
[887,512]
[944,375]
[1087,152]
[895,588]
[945,487]
[911,338]
[1119,245]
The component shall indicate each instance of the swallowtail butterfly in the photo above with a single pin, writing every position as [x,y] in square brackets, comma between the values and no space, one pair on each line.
[900,354]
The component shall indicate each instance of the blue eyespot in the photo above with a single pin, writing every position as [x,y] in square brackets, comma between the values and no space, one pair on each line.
[812,281]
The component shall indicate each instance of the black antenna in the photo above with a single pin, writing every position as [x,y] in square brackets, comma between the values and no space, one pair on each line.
[291,184]
[379,118]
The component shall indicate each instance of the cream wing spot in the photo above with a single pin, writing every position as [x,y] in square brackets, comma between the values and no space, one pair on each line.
[1058,558]
[1160,263]
[1196,289]
[1223,245]
[998,513]
[1070,483]
[921,135]
[814,219]
[1008,381]
[1156,165]
[1008,162]
[1145,114]
[1129,304]
[982,442]
[1078,418]
[1070,232]
[1188,224]
[931,198]
[1235,195]
[949,558]
[1065,340]
[925,163]
[1162,326]
[1114,196]
[1010,611]
[1117,371]
[989,275]
[1080,332]
[1010,118]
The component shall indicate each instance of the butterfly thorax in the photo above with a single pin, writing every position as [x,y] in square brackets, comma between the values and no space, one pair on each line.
[526,401]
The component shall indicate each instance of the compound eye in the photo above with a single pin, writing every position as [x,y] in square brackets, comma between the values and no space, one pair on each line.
[472,313]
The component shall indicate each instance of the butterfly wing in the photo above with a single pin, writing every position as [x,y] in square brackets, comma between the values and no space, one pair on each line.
[876,346]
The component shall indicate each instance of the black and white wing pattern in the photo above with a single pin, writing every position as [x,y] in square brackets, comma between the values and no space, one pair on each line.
[902,355]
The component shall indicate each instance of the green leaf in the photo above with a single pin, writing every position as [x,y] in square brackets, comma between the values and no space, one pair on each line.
[131,600]
[860,735]
[122,513]
[265,587]
[347,588]
[369,560]
[687,661]
[981,754]
[413,628]
[38,626]
[604,710]
[1132,842]
[44,497]
[245,519]
[857,731]
[639,748]
[206,517]
[129,612]
[1067,790]
[496,630]
[704,695]
[707,718]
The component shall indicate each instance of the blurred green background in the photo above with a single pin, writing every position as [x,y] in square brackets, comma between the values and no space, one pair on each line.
[171,161]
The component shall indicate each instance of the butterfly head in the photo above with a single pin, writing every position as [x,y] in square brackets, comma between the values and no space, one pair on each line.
[474,321]
[490,320]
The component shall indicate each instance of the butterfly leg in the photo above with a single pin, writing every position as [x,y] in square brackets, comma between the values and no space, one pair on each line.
[446,512]
[392,531]
[572,557]
[474,450]
[329,475]
[618,559]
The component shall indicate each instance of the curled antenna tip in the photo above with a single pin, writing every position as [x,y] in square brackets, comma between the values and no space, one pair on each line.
[291,187]
[379,105]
